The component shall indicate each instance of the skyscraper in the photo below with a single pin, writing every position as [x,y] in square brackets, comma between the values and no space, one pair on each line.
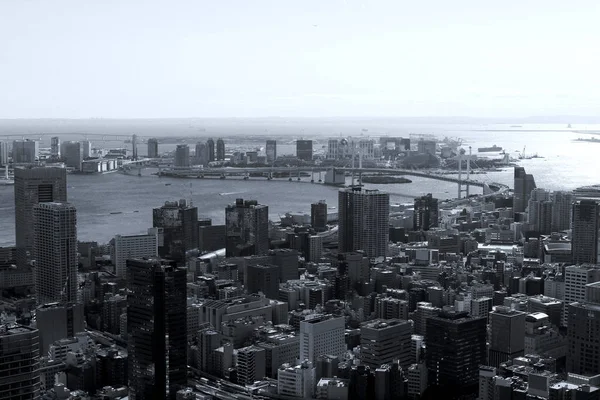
[321,335]
[263,278]
[456,347]
[576,279]
[210,146]
[384,340]
[508,335]
[304,150]
[524,183]
[3,153]
[152,148]
[72,153]
[86,149]
[20,361]
[247,228]
[182,156]
[539,210]
[55,147]
[55,252]
[426,213]
[562,209]
[179,221]
[220,150]
[133,247]
[364,217]
[586,222]
[157,329]
[201,154]
[271,150]
[318,215]
[583,333]
[34,185]
[25,151]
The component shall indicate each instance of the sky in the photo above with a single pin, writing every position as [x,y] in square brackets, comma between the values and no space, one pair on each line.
[298,58]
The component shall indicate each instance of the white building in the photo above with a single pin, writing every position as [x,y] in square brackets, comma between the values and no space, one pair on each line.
[133,246]
[576,277]
[321,334]
[296,381]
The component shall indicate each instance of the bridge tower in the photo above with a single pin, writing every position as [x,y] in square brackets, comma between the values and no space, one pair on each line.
[463,186]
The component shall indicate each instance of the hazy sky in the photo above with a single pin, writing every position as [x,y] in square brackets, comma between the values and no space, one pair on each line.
[246,58]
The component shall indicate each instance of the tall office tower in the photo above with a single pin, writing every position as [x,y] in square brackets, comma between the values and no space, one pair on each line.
[562,209]
[366,147]
[508,335]
[55,252]
[576,278]
[179,222]
[201,154]
[384,340]
[134,151]
[271,150]
[55,147]
[72,153]
[304,150]
[263,278]
[524,183]
[321,335]
[545,217]
[156,328]
[57,321]
[86,149]
[20,361]
[247,228]
[210,146]
[152,148]
[34,185]
[124,247]
[182,156]
[537,197]
[583,332]
[25,151]
[251,365]
[220,150]
[585,225]
[456,347]
[318,215]
[364,219]
[426,213]
[3,153]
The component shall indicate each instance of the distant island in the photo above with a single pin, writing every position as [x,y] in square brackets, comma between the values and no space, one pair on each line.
[381,179]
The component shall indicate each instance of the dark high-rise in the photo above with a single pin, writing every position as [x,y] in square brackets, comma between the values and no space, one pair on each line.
[247,228]
[364,218]
[456,347]
[34,185]
[19,363]
[263,278]
[586,222]
[524,183]
[220,150]
[156,328]
[271,150]
[507,340]
[426,213]
[304,150]
[210,148]
[179,221]
[318,215]
[152,148]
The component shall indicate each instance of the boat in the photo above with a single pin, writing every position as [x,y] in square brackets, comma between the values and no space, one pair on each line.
[589,140]
[516,126]
[489,149]
[524,156]
[167,184]
[117,212]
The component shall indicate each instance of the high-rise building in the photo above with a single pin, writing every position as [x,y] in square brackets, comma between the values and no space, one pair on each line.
[321,335]
[201,154]
[179,223]
[456,347]
[583,332]
[304,150]
[263,278]
[271,150]
[247,228]
[34,185]
[20,361]
[134,151]
[124,247]
[55,147]
[3,153]
[508,335]
[523,183]
[220,150]
[152,148]
[251,365]
[384,340]
[296,381]
[318,215]
[57,321]
[210,147]
[25,151]
[55,252]
[538,218]
[182,156]
[576,279]
[426,213]
[364,217]
[562,209]
[156,329]
[585,225]
[72,153]
[86,149]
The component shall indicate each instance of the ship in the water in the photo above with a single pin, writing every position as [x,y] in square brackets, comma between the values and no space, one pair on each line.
[589,140]
[489,149]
